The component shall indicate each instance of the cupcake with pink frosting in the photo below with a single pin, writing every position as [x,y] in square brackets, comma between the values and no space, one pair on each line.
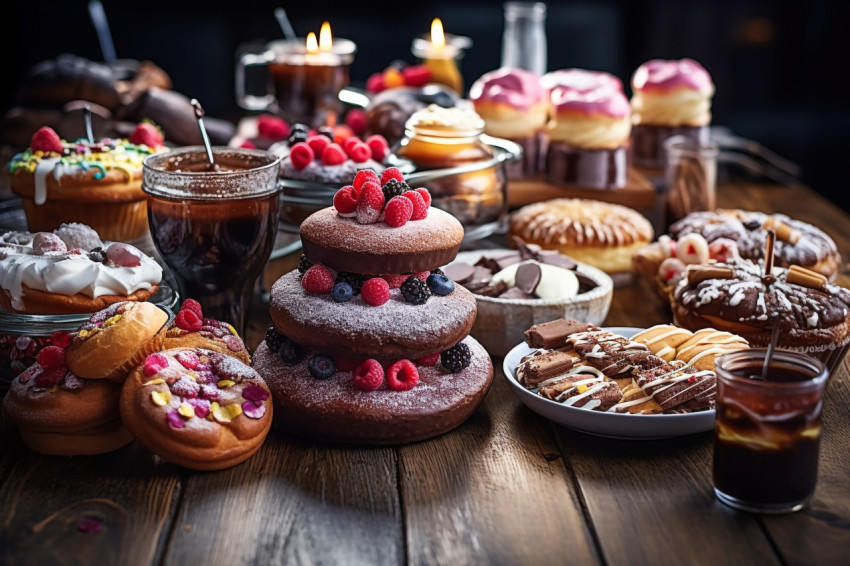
[588,130]
[669,98]
[515,106]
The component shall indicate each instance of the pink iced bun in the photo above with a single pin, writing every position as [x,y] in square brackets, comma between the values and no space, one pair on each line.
[511,102]
[665,76]
[581,80]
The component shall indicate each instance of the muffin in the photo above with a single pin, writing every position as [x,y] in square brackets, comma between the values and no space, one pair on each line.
[669,98]
[514,106]
[96,183]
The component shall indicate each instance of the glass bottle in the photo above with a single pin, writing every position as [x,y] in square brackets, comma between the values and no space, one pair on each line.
[524,37]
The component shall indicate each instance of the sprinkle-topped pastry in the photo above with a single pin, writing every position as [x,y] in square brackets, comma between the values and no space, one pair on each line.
[97,183]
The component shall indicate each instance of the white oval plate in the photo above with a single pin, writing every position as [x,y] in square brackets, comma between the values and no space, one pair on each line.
[610,425]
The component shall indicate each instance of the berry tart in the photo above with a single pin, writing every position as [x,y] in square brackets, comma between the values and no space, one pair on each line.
[97,183]
[61,414]
[71,271]
[190,329]
[370,340]
[200,409]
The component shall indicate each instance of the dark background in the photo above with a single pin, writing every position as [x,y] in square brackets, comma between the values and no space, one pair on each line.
[778,66]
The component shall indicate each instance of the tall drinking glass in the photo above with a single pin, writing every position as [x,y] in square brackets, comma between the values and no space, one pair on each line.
[214,228]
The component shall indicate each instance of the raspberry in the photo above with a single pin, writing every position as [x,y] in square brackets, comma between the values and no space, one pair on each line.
[318,144]
[368,376]
[391,173]
[360,152]
[301,155]
[347,144]
[394,188]
[47,242]
[375,83]
[345,200]
[185,387]
[395,281]
[375,292]
[272,127]
[342,292]
[422,275]
[428,361]
[345,364]
[291,352]
[248,144]
[123,255]
[46,140]
[456,358]
[398,211]
[420,209]
[402,376]
[188,320]
[415,291]
[304,264]
[379,146]
[194,306]
[321,367]
[50,378]
[333,155]
[187,359]
[370,204]
[364,175]
[318,280]
[146,134]
[416,75]
[440,284]
[154,364]
[354,279]
[426,196]
[356,120]
[51,357]
[61,338]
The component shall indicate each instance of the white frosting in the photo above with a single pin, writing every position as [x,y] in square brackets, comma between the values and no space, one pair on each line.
[556,283]
[69,274]
[42,170]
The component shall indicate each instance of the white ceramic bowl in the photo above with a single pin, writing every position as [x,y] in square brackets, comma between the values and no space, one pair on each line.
[501,323]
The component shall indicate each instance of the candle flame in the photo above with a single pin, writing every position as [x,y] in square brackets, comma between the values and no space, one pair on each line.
[438,38]
[312,44]
[325,38]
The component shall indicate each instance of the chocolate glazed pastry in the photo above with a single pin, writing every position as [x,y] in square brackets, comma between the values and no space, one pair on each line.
[589,168]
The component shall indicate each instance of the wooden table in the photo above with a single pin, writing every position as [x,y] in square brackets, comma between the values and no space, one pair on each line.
[507,487]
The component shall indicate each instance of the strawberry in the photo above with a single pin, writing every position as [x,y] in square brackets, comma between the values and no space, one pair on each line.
[318,280]
[356,120]
[379,146]
[272,127]
[375,292]
[420,210]
[301,155]
[360,152]
[398,211]
[46,140]
[391,173]
[147,134]
[345,201]
[333,155]
[370,203]
[362,176]
[416,75]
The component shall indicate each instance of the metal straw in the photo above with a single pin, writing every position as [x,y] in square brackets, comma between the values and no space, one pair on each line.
[199,116]
[87,121]
[101,26]
[283,21]
[768,271]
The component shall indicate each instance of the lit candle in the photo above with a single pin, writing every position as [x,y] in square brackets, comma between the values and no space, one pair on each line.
[440,57]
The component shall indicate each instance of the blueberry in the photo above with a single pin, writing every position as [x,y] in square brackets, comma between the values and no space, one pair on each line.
[321,367]
[440,284]
[342,292]
[300,128]
[326,131]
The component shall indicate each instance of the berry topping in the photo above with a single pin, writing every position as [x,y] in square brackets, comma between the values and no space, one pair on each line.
[186,387]
[301,155]
[304,264]
[46,140]
[395,281]
[347,144]
[402,376]
[391,173]
[154,364]
[356,120]
[341,133]
[345,364]
[345,200]
[428,361]
[49,378]
[393,78]
[201,406]
[426,196]
[368,376]
[342,292]
[291,352]
[440,284]
[47,242]
[375,292]
[370,204]
[333,155]
[416,75]
[123,255]
[146,134]
[300,128]
[326,131]
[375,83]
[248,144]
[318,280]
[394,188]
[187,359]
[379,146]
[318,144]
[189,321]
[398,211]
[365,175]
[415,291]
[321,367]
[61,338]
[354,279]
[272,127]
[51,357]
[194,306]
[297,135]
[96,257]
[456,358]
[420,209]
[360,152]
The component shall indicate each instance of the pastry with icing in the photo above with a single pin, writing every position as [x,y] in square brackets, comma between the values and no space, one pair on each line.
[190,329]
[698,349]
[200,409]
[97,183]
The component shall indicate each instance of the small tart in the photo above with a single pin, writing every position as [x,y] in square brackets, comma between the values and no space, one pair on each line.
[214,335]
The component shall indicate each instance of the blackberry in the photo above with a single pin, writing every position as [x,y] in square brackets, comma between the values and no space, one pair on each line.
[96,257]
[752,225]
[296,136]
[394,188]
[274,339]
[321,367]
[415,291]
[291,353]
[354,279]
[304,264]
[300,128]
[440,284]
[326,131]
[437,271]
[456,358]
[342,292]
